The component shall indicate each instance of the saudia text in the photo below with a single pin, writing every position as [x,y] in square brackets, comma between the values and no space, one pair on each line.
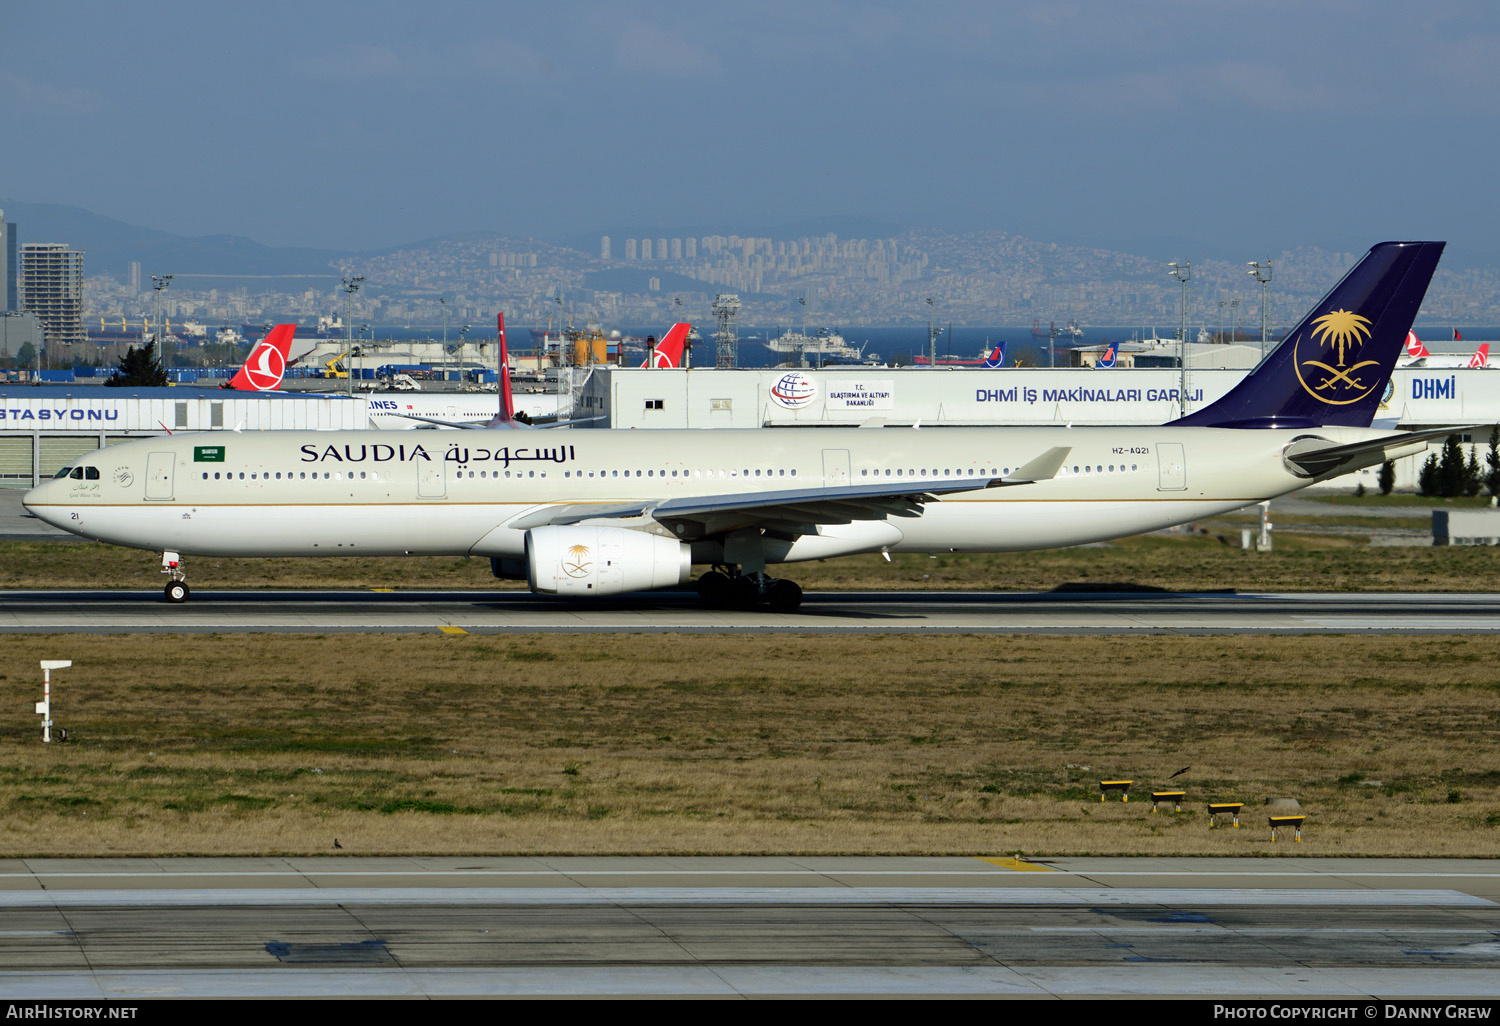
[382,453]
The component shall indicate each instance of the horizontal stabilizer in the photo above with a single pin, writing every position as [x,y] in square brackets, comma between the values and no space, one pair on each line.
[1305,458]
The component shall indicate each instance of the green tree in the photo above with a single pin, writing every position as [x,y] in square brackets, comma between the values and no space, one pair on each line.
[26,356]
[1427,478]
[1451,469]
[1387,477]
[1473,477]
[138,368]
[1492,479]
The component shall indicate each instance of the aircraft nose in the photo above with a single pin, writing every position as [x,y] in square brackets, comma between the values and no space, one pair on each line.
[39,503]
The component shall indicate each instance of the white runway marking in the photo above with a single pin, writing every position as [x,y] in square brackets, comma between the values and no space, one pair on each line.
[738,896]
[1420,623]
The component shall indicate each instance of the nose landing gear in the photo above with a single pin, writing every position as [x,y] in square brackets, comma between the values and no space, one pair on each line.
[177,589]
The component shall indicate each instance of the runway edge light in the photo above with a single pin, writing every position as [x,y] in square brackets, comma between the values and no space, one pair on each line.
[44,707]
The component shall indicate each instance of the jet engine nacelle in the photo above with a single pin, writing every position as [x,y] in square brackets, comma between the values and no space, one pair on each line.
[579,562]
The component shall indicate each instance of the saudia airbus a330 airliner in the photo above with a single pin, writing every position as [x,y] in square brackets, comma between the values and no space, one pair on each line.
[595,513]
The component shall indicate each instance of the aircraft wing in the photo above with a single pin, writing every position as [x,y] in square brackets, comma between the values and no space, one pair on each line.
[796,510]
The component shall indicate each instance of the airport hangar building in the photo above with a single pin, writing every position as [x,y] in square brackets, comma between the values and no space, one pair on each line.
[44,428]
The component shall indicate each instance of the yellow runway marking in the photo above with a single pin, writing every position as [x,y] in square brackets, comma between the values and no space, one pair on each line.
[1017,864]
[453,630]
[382,589]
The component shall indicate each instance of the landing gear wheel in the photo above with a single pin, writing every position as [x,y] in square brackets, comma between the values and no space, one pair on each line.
[784,596]
[713,589]
[177,591]
[743,592]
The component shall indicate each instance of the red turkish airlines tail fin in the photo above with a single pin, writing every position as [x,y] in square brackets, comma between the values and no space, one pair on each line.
[264,369]
[507,401]
[506,417]
[669,349]
[1414,347]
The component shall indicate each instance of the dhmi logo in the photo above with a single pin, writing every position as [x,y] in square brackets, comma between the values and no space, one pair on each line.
[1435,388]
[208,454]
[1328,374]
[793,391]
[576,561]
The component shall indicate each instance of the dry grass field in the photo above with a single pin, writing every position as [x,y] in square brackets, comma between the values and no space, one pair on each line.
[1208,559]
[704,744]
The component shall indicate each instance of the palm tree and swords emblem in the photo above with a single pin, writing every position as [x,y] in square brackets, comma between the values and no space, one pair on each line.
[576,562]
[1340,335]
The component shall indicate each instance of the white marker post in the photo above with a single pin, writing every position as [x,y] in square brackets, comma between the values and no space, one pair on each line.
[44,707]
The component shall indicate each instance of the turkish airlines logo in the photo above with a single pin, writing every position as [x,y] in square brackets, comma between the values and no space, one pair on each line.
[265,367]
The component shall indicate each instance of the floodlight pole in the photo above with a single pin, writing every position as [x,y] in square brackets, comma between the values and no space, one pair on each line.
[44,707]
[1262,273]
[1182,272]
[158,282]
[367,341]
[931,341]
[351,286]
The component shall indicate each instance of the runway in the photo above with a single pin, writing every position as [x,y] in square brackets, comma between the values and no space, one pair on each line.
[749,927]
[209,610]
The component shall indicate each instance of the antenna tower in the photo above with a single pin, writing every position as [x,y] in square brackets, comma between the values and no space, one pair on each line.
[726,308]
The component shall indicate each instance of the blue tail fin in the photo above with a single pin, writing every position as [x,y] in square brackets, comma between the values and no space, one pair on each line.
[1333,367]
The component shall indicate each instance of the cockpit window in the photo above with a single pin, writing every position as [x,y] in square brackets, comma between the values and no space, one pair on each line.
[91,473]
[77,474]
[64,472]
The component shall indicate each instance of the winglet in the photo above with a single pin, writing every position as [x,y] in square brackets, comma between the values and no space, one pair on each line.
[1043,468]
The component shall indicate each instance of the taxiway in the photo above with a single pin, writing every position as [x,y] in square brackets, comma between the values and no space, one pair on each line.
[748,927]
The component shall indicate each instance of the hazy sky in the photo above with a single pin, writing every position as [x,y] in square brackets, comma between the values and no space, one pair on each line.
[1245,126]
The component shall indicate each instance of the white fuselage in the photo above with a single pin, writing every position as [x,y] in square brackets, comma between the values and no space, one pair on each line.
[395,411]
[286,493]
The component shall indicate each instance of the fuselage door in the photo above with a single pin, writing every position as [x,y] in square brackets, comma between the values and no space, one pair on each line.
[159,475]
[431,484]
[1171,466]
[835,467]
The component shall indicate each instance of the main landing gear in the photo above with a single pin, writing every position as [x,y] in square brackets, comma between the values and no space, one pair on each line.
[728,588]
[177,589]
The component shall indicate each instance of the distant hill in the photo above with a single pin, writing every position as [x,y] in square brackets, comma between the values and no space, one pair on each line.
[111,245]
